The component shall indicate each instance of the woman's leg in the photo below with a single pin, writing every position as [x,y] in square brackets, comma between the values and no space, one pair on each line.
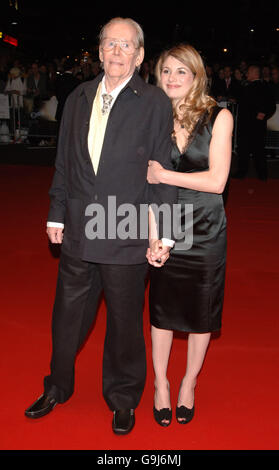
[197,347]
[161,347]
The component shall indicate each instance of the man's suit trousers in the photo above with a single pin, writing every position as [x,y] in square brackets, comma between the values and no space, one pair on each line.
[251,139]
[79,286]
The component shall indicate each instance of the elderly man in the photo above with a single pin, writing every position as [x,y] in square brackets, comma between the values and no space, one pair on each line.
[110,128]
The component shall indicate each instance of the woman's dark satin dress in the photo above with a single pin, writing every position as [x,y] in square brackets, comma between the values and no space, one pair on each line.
[187,293]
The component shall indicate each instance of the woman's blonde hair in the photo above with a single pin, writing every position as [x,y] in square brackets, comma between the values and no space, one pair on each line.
[197,102]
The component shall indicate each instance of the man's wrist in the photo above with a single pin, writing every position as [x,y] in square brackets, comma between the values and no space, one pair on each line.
[168,242]
[55,224]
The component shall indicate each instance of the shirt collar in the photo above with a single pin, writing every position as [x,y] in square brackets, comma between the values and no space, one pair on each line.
[115,92]
[89,88]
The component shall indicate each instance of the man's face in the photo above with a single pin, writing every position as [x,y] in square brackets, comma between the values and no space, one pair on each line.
[208,71]
[251,74]
[275,75]
[35,68]
[227,72]
[118,62]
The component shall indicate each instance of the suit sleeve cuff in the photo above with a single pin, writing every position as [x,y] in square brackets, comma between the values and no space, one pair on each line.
[55,224]
[168,242]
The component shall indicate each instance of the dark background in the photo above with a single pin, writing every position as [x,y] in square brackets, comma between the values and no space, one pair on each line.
[47,29]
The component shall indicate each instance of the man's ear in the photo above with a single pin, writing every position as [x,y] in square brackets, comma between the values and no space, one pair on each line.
[140,57]
[101,56]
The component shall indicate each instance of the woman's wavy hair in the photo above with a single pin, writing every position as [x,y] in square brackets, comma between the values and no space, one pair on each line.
[197,102]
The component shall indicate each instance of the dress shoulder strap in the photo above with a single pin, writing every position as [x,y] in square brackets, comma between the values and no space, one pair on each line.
[216,111]
[214,114]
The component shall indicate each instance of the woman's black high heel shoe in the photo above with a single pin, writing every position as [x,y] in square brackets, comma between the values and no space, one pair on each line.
[184,415]
[165,414]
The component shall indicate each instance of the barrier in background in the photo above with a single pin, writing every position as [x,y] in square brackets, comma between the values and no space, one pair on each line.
[272,135]
[18,126]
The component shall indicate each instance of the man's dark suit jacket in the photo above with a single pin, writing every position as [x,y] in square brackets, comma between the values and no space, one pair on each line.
[63,87]
[256,97]
[138,129]
[41,86]
[219,88]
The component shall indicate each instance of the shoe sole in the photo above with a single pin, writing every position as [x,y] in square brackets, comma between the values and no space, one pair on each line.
[39,414]
[122,432]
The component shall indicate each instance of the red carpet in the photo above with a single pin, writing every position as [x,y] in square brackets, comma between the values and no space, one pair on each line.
[237,394]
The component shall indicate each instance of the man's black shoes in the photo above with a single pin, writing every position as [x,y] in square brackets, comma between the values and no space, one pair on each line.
[123,421]
[41,407]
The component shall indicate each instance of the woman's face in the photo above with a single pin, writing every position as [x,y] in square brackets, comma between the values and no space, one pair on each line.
[237,74]
[176,79]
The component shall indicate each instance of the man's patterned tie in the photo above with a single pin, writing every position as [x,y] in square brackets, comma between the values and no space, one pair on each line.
[107,99]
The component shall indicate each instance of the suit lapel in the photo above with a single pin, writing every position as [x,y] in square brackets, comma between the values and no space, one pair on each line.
[136,84]
[89,90]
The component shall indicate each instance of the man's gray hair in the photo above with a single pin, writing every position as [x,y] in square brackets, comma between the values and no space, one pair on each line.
[138,28]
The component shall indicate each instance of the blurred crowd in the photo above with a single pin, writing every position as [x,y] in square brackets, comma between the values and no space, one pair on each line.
[38,92]
[225,83]
[37,82]
[40,89]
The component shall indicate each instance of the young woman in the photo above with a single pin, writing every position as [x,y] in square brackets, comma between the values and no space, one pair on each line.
[186,294]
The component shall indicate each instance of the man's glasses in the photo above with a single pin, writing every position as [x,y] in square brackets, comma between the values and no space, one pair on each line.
[126,46]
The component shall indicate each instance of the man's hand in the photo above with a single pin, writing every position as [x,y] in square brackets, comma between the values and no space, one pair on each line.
[157,254]
[55,234]
[153,173]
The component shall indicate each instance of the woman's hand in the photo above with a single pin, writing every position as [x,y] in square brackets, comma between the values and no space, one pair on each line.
[154,172]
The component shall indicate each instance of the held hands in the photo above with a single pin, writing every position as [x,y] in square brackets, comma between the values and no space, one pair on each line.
[154,172]
[157,254]
[55,234]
